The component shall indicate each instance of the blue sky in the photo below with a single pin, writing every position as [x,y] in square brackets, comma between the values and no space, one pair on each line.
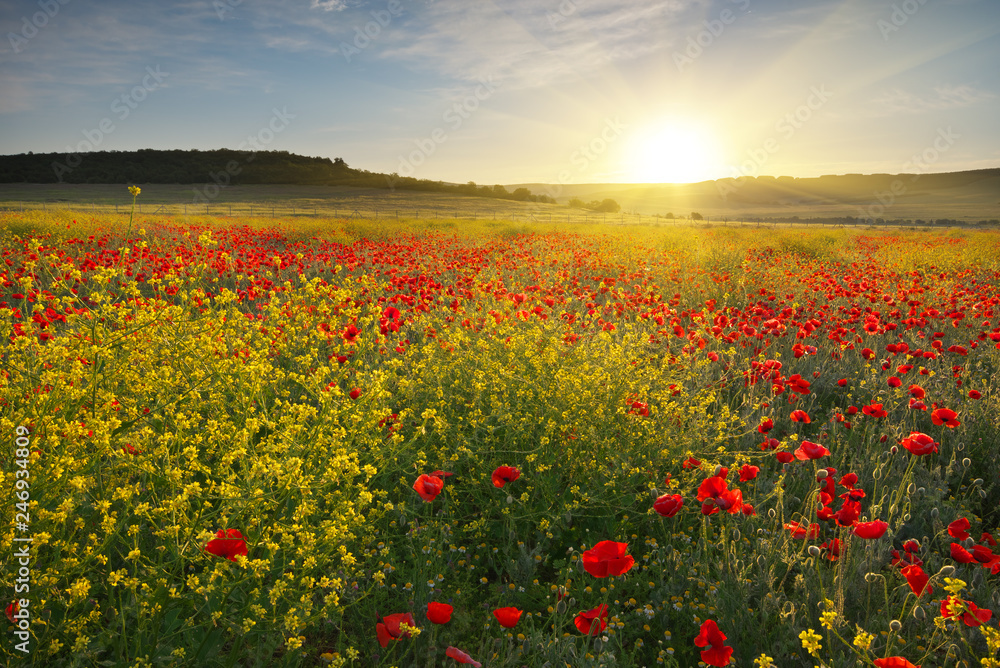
[574,91]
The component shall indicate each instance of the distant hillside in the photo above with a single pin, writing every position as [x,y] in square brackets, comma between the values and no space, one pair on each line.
[970,195]
[222,167]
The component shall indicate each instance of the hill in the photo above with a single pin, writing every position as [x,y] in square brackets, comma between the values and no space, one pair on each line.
[223,167]
[967,196]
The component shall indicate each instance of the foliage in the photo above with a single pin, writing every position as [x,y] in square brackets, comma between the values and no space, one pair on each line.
[284,388]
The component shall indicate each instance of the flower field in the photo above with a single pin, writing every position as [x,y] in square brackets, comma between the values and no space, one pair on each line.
[239,442]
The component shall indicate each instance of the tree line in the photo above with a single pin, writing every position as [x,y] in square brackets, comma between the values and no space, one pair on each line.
[237,167]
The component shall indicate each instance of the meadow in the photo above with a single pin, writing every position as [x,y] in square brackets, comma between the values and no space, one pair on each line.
[316,441]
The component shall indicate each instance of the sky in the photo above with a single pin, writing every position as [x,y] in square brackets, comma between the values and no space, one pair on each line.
[517,91]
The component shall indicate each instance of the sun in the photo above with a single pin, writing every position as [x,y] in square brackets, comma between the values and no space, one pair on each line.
[674,151]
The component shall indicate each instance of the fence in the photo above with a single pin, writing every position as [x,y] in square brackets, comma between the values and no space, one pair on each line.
[368,209]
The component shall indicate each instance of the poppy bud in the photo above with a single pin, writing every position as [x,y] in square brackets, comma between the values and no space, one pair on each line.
[966,463]
[918,612]
[921,490]
[510,499]
[770,513]
[977,481]
[906,517]
[821,474]
[813,551]
[911,488]
[895,626]
[561,607]
[894,449]
[946,571]
[934,513]
[598,645]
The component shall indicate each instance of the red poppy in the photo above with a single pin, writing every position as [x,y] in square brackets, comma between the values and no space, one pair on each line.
[870,530]
[810,450]
[691,463]
[439,613]
[593,621]
[227,543]
[667,505]
[917,579]
[984,555]
[748,472]
[874,410]
[461,657]
[800,531]
[894,381]
[784,457]
[970,613]
[959,528]
[505,474]
[842,382]
[766,425]
[975,394]
[960,554]
[508,617]
[770,444]
[715,495]
[832,549]
[919,444]
[894,662]
[355,393]
[129,449]
[428,486]
[639,408]
[945,416]
[12,609]
[607,558]
[389,628]
[717,654]
[917,392]
[801,416]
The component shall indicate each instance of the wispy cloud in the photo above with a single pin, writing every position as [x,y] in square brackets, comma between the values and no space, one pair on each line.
[896,101]
[527,44]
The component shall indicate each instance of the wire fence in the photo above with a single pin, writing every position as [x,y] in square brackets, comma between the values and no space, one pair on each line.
[512,212]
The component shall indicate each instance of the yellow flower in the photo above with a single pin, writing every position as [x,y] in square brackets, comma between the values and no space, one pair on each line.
[810,641]
[764,661]
[863,640]
[135,190]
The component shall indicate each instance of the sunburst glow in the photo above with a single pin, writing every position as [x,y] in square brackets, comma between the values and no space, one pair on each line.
[674,151]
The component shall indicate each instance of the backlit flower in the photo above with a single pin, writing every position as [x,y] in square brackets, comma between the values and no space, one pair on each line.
[389,628]
[607,558]
[717,652]
[227,543]
[428,486]
[592,621]
[505,474]
[439,613]
[508,617]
